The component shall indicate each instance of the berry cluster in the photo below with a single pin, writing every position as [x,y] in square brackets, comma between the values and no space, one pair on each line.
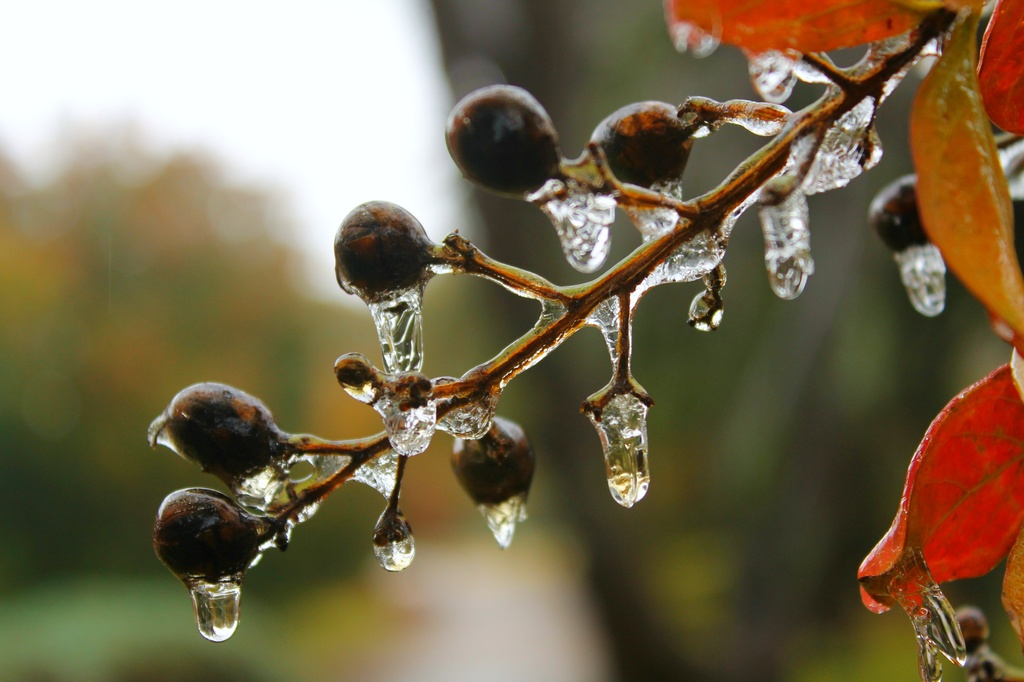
[503,140]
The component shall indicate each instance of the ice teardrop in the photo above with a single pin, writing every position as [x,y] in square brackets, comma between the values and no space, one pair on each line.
[216,608]
[923,272]
[581,218]
[787,241]
[393,542]
[772,74]
[399,324]
[707,309]
[622,427]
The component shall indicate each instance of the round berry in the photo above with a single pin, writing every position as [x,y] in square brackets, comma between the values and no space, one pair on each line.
[646,143]
[501,138]
[894,215]
[497,467]
[202,534]
[381,250]
[974,627]
[223,430]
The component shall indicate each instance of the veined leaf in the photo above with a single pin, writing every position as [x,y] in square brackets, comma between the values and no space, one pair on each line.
[963,502]
[961,191]
[804,25]
[1001,69]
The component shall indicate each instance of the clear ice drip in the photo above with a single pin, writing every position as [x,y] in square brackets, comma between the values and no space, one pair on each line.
[409,427]
[393,542]
[379,474]
[923,273]
[933,618]
[606,318]
[787,244]
[470,421]
[691,261]
[771,73]
[850,147]
[216,608]
[581,219]
[502,518]
[399,323]
[654,222]
[622,428]
[707,309]
[688,37]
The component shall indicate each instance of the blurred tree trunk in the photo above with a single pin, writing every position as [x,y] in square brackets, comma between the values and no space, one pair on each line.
[530,43]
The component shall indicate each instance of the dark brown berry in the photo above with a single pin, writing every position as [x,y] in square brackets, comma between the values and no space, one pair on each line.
[223,430]
[497,467]
[202,534]
[646,143]
[380,250]
[502,139]
[894,215]
[973,626]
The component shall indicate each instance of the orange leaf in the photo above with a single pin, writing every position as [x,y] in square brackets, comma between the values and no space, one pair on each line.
[1013,586]
[804,25]
[962,194]
[963,502]
[1001,70]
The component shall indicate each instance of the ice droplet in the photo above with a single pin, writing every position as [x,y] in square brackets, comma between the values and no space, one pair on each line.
[581,219]
[399,323]
[654,222]
[771,73]
[472,420]
[393,542]
[216,608]
[606,318]
[924,275]
[787,244]
[409,423]
[259,490]
[691,261]
[379,473]
[622,427]
[688,37]
[502,518]
[933,618]
[707,309]
[850,147]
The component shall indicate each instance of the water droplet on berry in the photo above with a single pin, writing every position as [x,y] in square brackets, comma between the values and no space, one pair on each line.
[399,323]
[581,218]
[393,542]
[622,427]
[502,518]
[923,273]
[787,242]
[688,37]
[216,608]
[771,73]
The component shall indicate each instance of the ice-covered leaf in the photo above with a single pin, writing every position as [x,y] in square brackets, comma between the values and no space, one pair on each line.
[962,194]
[963,502]
[1001,69]
[804,25]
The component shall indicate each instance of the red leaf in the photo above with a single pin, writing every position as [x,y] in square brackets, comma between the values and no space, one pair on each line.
[961,190]
[804,25]
[963,502]
[1001,70]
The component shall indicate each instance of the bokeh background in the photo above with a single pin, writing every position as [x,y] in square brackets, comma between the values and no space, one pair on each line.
[159,227]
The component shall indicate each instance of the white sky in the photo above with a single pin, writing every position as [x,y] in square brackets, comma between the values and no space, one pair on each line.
[335,102]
